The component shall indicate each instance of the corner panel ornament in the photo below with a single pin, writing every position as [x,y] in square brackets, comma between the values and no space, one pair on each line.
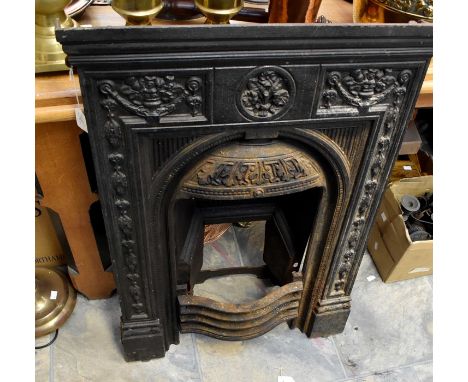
[363,88]
[373,179]
[267,93]
[156,96]
[121,204]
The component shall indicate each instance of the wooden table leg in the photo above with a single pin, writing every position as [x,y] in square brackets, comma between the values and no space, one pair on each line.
[61,172]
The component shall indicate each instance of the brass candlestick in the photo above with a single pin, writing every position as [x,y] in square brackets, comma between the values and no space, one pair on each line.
[49,53]
[138,12]
[219,11]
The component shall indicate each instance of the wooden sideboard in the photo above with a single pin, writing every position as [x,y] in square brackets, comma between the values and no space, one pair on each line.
[62,175]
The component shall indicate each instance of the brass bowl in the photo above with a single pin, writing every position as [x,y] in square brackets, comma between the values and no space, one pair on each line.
[138,12]
[410,9]
[219,11]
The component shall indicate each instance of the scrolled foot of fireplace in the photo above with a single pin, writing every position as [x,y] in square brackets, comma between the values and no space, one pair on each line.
[236,322]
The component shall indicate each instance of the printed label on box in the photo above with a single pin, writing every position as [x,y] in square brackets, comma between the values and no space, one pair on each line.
[407,168]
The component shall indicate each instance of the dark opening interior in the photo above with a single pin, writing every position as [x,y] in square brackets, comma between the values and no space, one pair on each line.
[279,227]
[223,248]
[237,246]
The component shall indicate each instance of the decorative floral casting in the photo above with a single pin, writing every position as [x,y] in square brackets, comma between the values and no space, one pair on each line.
[364,87]
[119,184]
[153,96]
[370,187]
[266,95]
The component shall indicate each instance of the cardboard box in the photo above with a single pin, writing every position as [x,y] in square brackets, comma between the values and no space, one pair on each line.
[395,255]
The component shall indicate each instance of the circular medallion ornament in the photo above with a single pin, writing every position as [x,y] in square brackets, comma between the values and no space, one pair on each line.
[266,93]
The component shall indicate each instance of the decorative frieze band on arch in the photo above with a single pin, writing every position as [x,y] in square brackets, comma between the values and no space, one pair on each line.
[242,170]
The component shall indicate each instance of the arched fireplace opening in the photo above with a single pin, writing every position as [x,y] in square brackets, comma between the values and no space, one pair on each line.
[275,181]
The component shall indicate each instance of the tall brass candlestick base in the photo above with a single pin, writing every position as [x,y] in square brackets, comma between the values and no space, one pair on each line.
[49,53]
[219,11]
[138,12]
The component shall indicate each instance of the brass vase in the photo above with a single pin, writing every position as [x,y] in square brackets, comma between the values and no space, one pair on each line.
[55,300]
[219,11]
[138,12]
[49,53]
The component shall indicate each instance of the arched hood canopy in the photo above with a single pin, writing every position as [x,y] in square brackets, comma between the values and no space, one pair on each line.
[236,171]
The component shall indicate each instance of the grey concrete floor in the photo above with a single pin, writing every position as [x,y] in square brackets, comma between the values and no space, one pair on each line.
[388,336]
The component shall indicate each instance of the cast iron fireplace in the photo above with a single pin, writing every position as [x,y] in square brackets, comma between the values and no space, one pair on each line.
[294,125]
